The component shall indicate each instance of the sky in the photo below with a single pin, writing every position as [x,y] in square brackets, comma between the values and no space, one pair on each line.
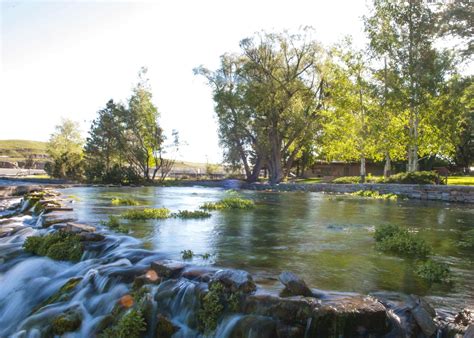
[66,59]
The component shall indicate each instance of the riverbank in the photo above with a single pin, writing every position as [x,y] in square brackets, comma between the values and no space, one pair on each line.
[186,299]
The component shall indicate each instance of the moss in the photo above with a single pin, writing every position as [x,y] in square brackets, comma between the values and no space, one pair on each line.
[434,272]
[148,213]
[58,245]
[114,223]
[374,194]
[186,214]
[63,294]
[130,325]
[397,240]
[67,322]
[187,254]
[124,201]
[229,203]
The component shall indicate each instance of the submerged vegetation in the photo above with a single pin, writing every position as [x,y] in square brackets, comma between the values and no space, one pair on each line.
[186,214]
[400,241]
[467,240]
[147,213]
[187,254]
[124,201]
[374,194]
[114,224]
[58,245]
[433,272]
[229,203]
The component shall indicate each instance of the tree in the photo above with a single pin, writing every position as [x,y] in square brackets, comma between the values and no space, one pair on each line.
[403,35]
[65,149]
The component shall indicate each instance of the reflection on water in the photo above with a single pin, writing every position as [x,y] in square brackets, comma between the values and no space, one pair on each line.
[326,240]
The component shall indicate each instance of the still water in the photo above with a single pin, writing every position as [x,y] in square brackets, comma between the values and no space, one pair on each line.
[325,239]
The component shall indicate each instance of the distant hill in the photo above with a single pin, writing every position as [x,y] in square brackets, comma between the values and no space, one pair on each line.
[15,151]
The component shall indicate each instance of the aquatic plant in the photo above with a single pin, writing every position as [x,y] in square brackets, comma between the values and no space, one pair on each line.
[434,272]
[148,213]
[58,245]
[467,240]
[124,201]
[229,203]
[395,239]
[114,224]
[206,255]
[130,325]
[187,254]
[186,214]
[374,194]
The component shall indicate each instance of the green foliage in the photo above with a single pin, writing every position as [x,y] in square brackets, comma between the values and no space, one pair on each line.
[347,180]
[114,224]
[130,325]
[212,308]
[187,254]
[420,177]
[206,255]
[124,201]
[434,272]
[58,245]
[394,239]
[63,294]
[186,214]
[467,240]
[147,213]
[229,203]
[374,194]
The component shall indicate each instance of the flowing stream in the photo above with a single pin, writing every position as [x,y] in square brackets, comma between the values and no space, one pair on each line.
[325,239]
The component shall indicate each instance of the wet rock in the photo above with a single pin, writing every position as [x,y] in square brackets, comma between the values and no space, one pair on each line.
[50,208]
[253,326]
[164,327]
[350,316]
[125,274]
[424,320]
[235,280]
[290,310]
[168,268]
[294,285]
[464,317]
[150,277]
[289,331]
[91,237]
[200,274]
[69,321]
[469,332]
[54,218]
[76,228]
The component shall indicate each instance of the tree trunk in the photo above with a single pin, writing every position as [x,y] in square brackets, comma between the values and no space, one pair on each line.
[362,169]
[253,175]
[387,169]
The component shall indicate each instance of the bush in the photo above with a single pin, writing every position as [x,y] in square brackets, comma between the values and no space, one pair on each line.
[186,214]
[149,213]
[58,246]
[229,203]
[347,180]
[418,177]
[124,201]
[434,272]
[400,241]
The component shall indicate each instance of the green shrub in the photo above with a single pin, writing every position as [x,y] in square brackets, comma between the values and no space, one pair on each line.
[131,325]
[374,194]
[186,214]
[114,224]
[347,180]
[148,213]
[229,203]
[124,201]
[58,245]
[434,272]
[400,241]
[418,177]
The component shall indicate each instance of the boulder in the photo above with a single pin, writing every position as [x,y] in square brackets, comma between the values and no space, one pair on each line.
[469,332]
[424,320]
[235,280]
[78,228]
[168,268]
[294,286]
[91,237]
[252,326]
[56,218]
[200,274]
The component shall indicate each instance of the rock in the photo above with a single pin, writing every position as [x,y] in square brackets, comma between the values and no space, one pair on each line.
[164,327]
[78,228]
[289,331]
[48,209]
[235,280]
[290,310]
[252,326]
[424,320]
[294,286]
[150,277]
[464,317]
[91,237]
[168,268]
[69,321]
[54,218]
[200,274]
[350,316]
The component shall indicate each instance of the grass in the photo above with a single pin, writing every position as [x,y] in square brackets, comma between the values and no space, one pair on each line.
[229,203]
[308,180]
[461,180]
[22,148]
[148,213]
[124,201]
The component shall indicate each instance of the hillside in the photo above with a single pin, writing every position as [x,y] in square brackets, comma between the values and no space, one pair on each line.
[15,151]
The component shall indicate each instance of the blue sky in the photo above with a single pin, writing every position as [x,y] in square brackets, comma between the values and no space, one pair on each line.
[68,58]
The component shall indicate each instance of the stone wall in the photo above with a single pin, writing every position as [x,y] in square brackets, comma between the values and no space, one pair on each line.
[448,193]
